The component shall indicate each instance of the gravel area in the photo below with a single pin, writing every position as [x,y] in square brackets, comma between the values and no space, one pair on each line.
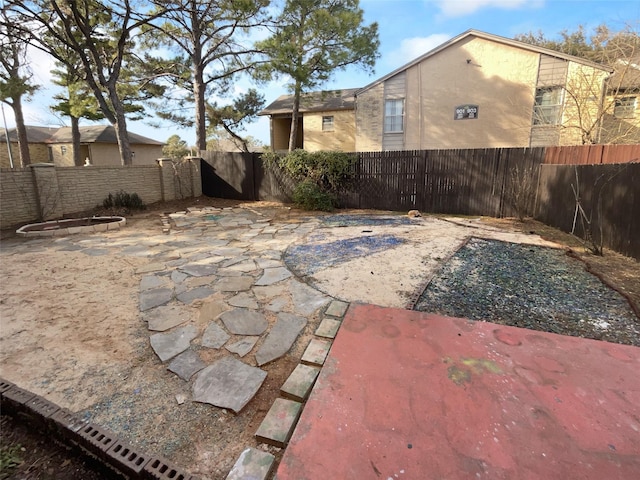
[532,287]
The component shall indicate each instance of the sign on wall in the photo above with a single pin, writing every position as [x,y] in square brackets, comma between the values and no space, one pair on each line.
[466,112]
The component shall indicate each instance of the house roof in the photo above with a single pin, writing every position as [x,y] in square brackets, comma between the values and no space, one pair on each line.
[320,101]
[493,38]
[626,76]
[88,134]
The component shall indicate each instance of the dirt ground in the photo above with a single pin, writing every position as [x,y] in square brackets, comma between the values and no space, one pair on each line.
[69,329]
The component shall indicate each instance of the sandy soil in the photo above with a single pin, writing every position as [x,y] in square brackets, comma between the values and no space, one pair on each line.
[70,330]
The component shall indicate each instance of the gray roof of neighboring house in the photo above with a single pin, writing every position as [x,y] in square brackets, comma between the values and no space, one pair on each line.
[321,101]
[491,37]
[88,134]
[626,76]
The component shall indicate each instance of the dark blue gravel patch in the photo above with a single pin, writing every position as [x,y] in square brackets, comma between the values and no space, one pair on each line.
[308,259]
[360,220]
[532,287]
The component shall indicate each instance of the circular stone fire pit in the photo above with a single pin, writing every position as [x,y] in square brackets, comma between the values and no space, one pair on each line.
[71,226]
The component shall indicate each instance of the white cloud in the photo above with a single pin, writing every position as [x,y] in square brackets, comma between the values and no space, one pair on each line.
[459,8]
[411,48]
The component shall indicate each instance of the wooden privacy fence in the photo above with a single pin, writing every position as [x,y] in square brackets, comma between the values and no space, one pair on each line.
[465,181]
[608,195]
[592,154]
[471,182]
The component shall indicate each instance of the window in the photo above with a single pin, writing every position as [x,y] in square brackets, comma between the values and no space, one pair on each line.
[327,124]
[393,116]
[625,107]
[548,107]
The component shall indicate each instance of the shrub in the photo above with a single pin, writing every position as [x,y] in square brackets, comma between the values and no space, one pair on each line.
[125,200]
[309,196]
[321,175]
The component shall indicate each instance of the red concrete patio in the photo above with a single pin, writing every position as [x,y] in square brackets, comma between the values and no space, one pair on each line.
[407,395]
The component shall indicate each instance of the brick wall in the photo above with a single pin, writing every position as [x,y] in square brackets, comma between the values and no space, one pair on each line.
[27,195]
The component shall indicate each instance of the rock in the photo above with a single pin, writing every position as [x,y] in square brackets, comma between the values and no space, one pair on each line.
[243,346]
[228,383]
[214,336]
[273,275]
[165,317]
[244,322]
[168,345]
[154,298]
[186,364]
[280,338]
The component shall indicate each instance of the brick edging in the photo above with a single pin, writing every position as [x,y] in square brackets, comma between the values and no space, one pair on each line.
[85,437]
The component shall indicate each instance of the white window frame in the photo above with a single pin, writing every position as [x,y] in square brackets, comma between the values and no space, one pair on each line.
[547,108]
[328,123]
[625,107]
[394,119]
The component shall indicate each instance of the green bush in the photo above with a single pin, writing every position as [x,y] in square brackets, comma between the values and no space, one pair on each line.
[122,199]
[309,196]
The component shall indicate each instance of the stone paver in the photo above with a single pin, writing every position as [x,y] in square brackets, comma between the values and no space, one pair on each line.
[163,318]
[273,275]
[234,284]
[195,294]
[168,345]
[244,346]
[199,270]
[186,364]
[280,338]
[214,336]
[244,300]
[307,300]
[253,464]
[299,384]
[278,425]
[337,308]
[212,308]
[149,282]
[316,352]
[328,328]
[244,322]
[151,267]
[228,383]
[155,298]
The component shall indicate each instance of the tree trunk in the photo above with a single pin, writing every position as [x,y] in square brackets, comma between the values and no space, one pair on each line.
[75,141]
[200,113]
[21,131]
[295,113]
[120,124]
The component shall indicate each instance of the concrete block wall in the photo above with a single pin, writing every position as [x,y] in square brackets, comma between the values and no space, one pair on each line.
[26,194]
[18,200]
[84,188]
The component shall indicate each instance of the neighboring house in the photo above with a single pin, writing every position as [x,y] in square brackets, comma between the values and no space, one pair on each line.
[98,144]
[480,90]
[622,104]
[475,91]
[326,121]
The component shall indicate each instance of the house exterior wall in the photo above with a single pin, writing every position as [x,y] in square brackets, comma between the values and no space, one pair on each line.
[108,154]
[581,115]
[370,119]
[341,138]
[498,78]
[38,152]
[280,133]
[621,130]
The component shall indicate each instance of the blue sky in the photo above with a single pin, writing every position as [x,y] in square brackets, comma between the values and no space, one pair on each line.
[407,29]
